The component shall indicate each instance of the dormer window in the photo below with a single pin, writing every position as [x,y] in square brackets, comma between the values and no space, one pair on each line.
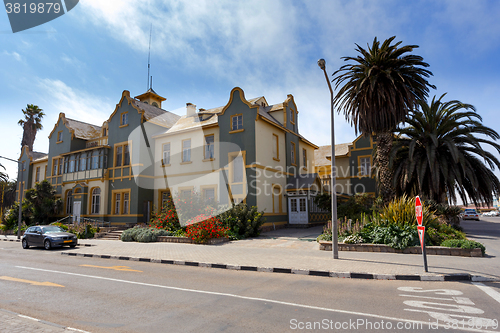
[104,132]
[155,104]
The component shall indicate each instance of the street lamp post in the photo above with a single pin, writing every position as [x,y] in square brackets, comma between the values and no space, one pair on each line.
[335,248]
[20,182]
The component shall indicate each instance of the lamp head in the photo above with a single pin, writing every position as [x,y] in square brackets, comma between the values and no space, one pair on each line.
[321,63]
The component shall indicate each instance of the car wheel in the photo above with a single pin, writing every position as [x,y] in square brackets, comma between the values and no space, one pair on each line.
[73,245]
[25,244]
[47,245]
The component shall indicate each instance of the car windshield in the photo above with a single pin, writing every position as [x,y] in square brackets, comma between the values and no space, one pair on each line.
[470,211]
[51,229]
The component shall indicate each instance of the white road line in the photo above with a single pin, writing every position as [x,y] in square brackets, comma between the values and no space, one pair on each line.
[488,290]
[41,321]
[26,317]
[250,298]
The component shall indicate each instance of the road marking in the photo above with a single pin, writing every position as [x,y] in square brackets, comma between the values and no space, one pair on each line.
[265,300]
[116,268]
[459,300]
[488,290]
[46,322]
[34,283]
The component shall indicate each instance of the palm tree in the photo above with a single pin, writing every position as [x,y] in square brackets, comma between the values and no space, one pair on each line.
[3,176]
[377,91]
[31,124]
[439,154]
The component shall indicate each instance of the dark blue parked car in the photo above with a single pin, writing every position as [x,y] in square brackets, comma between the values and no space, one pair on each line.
[47,236]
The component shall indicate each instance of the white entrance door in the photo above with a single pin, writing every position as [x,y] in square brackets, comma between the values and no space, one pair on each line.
[297,210]
[77,207]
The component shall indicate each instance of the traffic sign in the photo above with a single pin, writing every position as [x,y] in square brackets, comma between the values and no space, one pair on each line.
[421,232]
[418,210]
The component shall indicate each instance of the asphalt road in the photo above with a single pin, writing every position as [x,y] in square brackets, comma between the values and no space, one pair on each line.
[98,295]
[485,231]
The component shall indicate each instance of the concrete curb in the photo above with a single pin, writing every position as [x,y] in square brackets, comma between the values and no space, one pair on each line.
[18,240]
[347,275]
[11,240]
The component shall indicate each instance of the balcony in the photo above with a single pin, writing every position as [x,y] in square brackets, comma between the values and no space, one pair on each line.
[97,142]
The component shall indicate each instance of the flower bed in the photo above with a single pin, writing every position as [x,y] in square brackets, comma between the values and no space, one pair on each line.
[431,250]
[173,239]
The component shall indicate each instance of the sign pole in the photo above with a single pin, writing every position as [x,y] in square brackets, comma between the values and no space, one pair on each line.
[421,229]
[423,252]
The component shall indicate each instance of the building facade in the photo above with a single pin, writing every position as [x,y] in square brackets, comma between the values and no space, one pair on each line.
[91,166]
[119,172]
[353,164]
[246,151]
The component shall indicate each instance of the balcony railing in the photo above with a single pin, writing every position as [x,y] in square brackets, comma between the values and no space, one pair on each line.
[97,142]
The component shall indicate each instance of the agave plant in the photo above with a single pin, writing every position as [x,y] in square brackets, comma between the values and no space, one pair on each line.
[401,211]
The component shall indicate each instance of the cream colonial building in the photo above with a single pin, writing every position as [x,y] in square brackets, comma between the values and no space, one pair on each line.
[119,171]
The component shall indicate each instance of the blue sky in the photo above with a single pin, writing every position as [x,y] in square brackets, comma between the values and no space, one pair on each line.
[80,63]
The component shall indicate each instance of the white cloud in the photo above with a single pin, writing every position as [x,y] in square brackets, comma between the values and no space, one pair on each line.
[75,104]
[72,61]
[13,54]
[222,37]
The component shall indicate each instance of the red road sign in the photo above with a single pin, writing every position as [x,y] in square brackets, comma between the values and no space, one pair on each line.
[418,210]
[421,232]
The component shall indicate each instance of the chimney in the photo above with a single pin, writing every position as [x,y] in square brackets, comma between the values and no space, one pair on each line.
[190,109]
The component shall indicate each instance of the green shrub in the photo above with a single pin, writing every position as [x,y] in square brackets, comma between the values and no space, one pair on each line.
[435,236]
[60,225]
[325,237]
[83,230]
[12,215]
[23,228]
[143,235]
[464,244]
[244,222]
[401,211]
[450,214]
[397,237]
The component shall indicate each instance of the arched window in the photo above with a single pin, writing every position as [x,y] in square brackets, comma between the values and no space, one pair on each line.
[96,201]
[69,202]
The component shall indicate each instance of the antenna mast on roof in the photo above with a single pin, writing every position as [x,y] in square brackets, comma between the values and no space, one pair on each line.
[149,55]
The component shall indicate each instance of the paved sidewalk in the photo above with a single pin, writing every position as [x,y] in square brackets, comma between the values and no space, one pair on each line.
[291,253]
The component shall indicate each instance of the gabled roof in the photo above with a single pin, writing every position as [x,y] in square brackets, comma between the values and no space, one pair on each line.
[321,154]
[78,129]
[156,115]
[83,130]
[37,156]
[186,123]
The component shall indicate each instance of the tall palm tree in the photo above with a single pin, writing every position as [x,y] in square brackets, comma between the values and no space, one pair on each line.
[377,91]
[31,124]
[3,176]
[438,154]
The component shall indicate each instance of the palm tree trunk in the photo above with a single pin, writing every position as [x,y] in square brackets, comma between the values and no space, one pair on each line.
[29,134]
[385,175]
